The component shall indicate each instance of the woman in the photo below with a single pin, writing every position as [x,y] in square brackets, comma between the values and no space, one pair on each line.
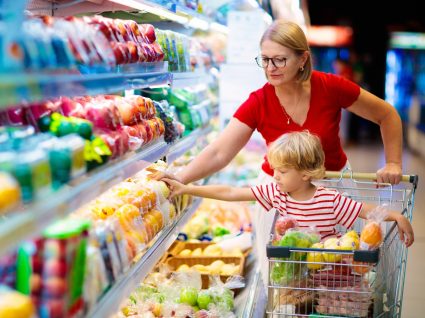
[297,98]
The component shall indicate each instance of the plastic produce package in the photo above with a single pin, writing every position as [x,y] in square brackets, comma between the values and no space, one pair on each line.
[292,267]
[372,235]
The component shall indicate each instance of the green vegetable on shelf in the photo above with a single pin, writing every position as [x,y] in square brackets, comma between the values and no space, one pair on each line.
[220,231]
[61,126]
[96,152]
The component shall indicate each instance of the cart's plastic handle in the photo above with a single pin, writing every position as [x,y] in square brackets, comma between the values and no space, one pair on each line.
[366,176]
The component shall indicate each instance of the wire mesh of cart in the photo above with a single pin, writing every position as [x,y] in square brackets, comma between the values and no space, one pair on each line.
[317,282]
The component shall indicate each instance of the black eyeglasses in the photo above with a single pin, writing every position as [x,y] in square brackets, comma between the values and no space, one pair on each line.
[263,62]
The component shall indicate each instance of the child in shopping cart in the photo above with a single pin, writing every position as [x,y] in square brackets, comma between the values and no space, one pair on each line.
[297,158]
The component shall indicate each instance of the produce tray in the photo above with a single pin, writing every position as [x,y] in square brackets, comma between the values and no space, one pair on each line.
[176,261]
[177,247]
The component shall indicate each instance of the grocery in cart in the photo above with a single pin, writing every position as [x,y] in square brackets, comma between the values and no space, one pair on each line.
[339,277]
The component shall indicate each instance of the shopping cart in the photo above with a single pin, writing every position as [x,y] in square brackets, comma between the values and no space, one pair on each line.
[314,282]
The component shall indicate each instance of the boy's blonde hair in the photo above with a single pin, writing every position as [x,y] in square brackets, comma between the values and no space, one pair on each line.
[299,150]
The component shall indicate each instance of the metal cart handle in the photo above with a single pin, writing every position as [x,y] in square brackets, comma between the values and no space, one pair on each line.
[348,174]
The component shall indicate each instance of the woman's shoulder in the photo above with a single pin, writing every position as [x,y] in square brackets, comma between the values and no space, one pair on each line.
[318,76]
[267,88]
[329,79]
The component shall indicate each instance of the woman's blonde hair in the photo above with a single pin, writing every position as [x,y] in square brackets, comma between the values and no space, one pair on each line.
[290,35]
[299,150]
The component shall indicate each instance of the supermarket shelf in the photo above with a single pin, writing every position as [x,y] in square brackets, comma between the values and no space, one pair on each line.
[171,12]
[182,80]
[36,87]
[186,144]
[31,220]
[111,301]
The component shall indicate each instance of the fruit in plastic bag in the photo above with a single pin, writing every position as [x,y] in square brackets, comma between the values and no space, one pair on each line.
[332,244]
[315,258]
[283,223]
[189,295]
[282,273]
[371,236]
[295,238]
[224,299]
[349,241]
[204,299]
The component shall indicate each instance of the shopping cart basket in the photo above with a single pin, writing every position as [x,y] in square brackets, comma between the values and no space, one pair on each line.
[315,282]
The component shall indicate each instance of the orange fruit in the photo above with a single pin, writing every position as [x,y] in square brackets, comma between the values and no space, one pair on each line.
[371,235]
[129,210]
[160,218]
[361,267]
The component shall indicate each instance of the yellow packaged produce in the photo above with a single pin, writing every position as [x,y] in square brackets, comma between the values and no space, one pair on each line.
[185,252]
[197,252]
[215,267]
[183,268]
[213,250]
[14,304]
[10,193]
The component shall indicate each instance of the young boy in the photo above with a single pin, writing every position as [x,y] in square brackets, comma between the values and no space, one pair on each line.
[297,158]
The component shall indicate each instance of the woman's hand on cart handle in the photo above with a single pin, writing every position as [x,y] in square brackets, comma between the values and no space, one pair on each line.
[390,173]
[365,176]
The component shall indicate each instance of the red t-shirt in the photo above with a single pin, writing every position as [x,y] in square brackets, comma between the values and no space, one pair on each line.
[329,94]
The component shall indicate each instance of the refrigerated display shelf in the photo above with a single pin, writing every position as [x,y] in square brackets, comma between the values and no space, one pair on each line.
[41,86]
[171,12]
[30,220]
[37,87]
[111,301]
[186,79]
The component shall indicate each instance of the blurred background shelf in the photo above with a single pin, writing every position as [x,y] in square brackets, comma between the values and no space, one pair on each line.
[186,143]
[112,300]
[150,10]
[91,81]
[186,79]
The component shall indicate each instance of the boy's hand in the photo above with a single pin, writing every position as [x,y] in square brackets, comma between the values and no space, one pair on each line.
[405,230]
[160,175]
[175,187]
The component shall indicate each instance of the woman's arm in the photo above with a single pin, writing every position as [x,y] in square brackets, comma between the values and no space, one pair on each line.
[218,192]
[405,230]
[219,153]
[382,113]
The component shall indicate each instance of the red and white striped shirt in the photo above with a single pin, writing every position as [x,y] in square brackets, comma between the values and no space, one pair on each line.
[324,210]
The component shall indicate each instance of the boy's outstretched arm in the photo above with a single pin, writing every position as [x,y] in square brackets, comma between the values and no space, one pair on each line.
[405,230]
[218,192]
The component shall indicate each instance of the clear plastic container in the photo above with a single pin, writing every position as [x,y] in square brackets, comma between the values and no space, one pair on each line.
[32,171]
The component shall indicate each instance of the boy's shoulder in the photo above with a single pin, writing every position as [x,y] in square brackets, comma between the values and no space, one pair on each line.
[321,190]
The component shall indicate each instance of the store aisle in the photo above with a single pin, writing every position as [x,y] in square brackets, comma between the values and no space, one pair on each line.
[365,159]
